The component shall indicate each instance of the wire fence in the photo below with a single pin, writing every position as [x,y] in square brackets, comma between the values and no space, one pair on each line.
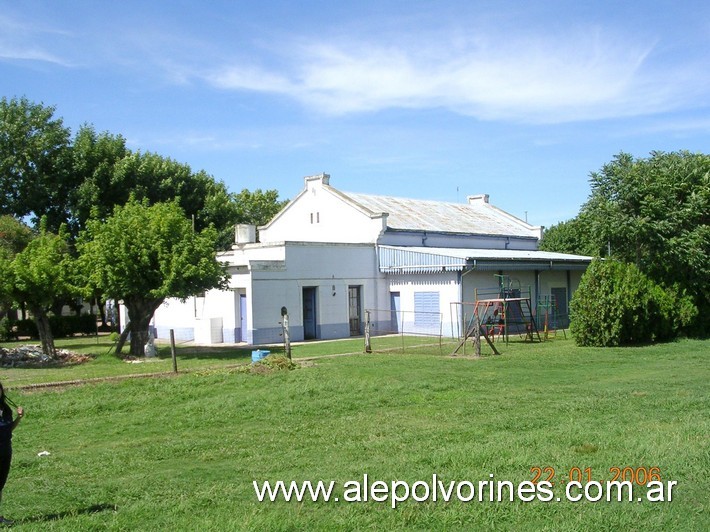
[405,331]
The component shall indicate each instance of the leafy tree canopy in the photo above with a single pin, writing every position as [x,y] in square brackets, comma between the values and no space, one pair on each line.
[34,162]
[109,173]
[568,237]
[144,253]
[652,212]
[94,159]
[45,173]
[14,236]
[40,274]
[257,208]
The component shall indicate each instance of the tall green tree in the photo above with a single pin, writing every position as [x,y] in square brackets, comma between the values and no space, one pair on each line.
[94,159]
[109,174]
[40,274]
[45,173]
[570,237]
[143,254]
[34,162]
[14,237]
[653,212]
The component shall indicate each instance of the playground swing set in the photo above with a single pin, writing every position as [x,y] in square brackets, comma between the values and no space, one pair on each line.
[505,310]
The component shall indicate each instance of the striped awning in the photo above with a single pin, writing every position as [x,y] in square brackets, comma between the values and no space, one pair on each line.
[404,259]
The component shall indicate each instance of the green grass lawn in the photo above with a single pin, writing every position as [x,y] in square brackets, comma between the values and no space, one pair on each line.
[182,452]
[189,358]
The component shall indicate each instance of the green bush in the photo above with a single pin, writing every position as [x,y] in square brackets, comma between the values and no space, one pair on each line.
[6,332]
[61,326]
[83,324]
[26,327]
[616,304]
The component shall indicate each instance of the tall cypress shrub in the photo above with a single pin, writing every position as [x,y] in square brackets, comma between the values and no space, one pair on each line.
[616,304]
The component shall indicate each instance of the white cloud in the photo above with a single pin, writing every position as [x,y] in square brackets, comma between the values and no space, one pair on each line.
[16,42]
[252,78]
[529,79]
[11,53]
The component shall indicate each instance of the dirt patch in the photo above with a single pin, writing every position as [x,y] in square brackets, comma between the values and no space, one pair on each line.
[31,356]
[267,365]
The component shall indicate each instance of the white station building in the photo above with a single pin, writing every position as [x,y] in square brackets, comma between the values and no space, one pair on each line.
[332,257]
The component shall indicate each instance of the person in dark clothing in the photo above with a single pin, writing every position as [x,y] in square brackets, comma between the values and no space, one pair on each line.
[7,425]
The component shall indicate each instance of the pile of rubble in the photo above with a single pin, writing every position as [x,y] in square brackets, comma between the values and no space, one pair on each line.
[31,356]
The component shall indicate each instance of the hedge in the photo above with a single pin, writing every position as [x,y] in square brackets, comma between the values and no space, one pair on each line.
[62,327]
[616,304]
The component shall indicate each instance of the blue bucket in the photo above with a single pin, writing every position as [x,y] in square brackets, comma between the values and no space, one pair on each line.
[259,354]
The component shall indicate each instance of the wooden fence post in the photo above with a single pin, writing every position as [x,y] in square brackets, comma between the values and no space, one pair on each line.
[172,350]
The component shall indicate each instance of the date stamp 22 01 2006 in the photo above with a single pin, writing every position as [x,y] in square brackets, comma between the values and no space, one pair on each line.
[636,475]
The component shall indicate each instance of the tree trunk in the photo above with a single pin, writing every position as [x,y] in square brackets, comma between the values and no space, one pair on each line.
[139,335]
[122,339]
[140,312]
[45,332]
[101,307]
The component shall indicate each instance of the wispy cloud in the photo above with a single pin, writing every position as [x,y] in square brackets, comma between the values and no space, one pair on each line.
[18,42]
[580,76]
[29,53]
[253,78]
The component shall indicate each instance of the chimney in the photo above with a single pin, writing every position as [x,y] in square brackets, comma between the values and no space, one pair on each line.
[323,179]
[478,198]
[244,234]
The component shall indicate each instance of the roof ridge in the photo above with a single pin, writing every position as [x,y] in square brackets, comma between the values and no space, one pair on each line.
[404,198]
[345,196]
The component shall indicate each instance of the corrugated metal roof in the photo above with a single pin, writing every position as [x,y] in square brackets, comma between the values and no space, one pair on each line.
[412,260]
[437,216]
[401,259]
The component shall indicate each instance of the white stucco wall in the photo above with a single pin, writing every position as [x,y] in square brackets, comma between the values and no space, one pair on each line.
[206,319]
[319,214]
[272,277]
[330,269]
[408,285]
[177,315]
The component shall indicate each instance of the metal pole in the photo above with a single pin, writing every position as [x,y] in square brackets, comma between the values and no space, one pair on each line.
[368,347]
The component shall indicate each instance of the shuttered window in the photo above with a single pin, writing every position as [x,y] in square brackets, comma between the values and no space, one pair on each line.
[427,314]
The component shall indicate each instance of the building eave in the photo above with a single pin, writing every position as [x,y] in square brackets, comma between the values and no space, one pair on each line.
[401,259]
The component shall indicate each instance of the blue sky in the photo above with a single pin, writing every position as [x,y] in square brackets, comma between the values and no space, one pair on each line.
[435,100]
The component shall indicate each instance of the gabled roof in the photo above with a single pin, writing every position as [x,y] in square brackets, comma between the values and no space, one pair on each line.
[477,217]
